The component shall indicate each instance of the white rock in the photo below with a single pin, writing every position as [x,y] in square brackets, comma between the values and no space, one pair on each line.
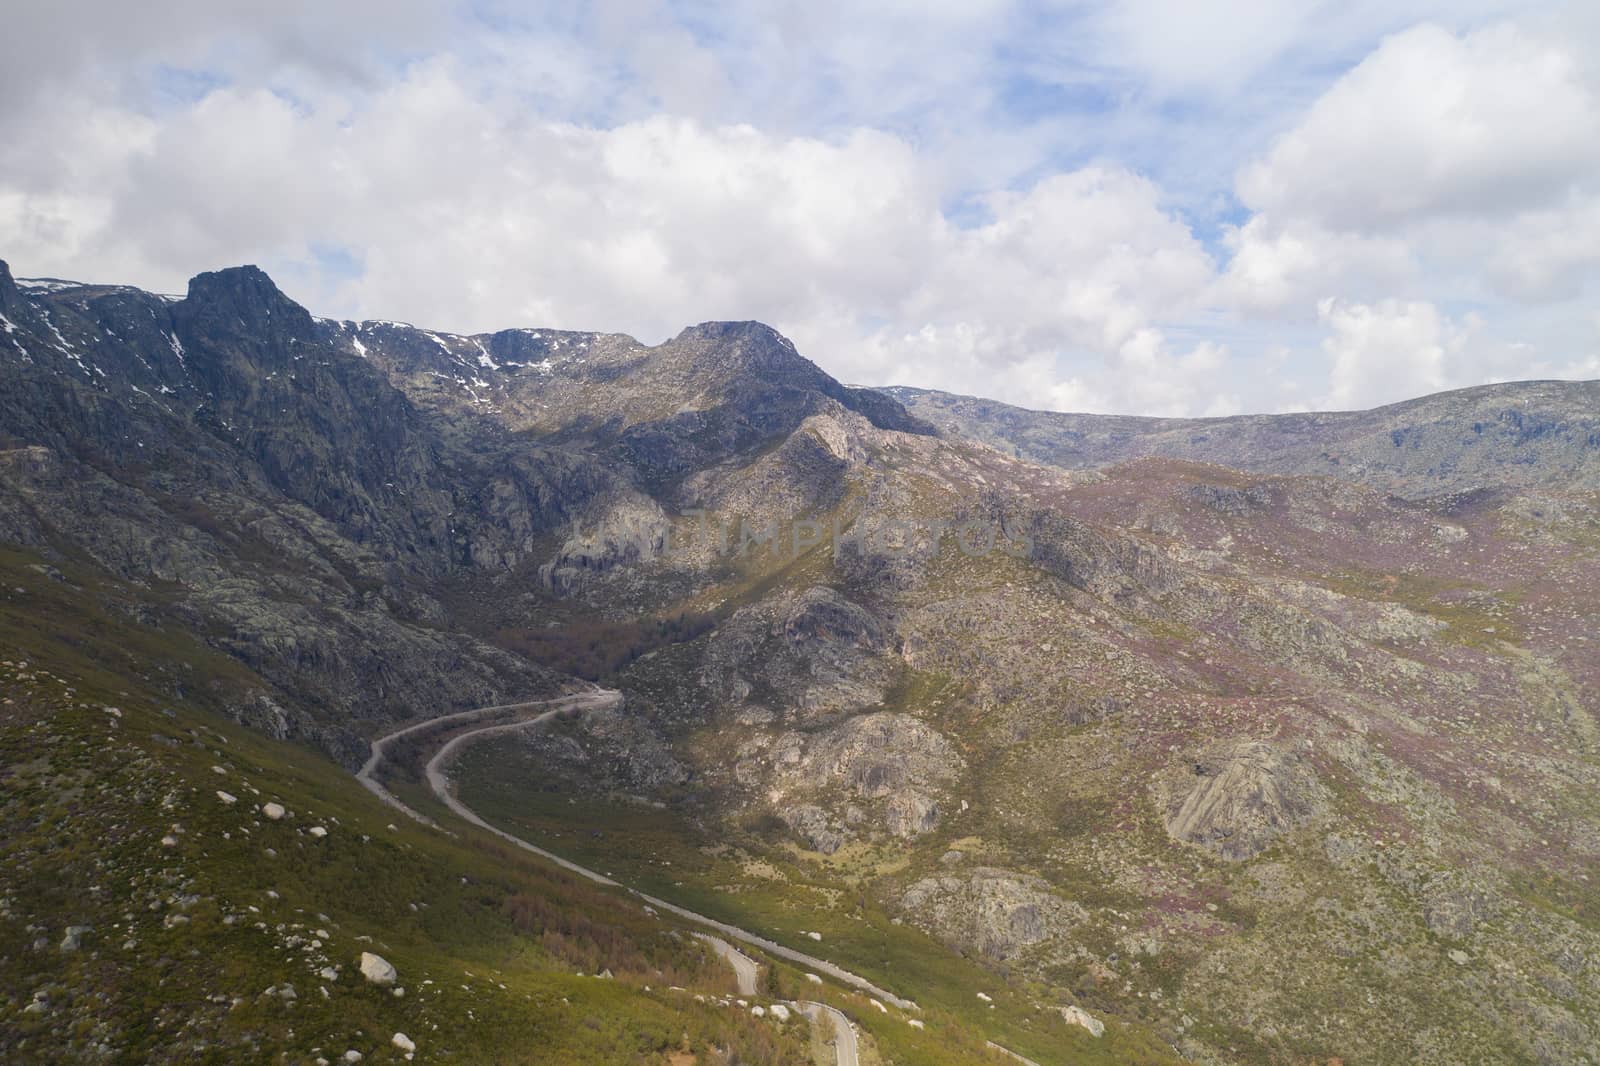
[169,841]
[1079,1016]
[813,978]
[915,1023]
[227,797]
[780,1012]
[985,997]
[377,969]
[353,1055]
[273,811]
[328,973]
[814,936]
[403,1042]
[1459,957]
[881,1008]
[318,832]
[759,1011]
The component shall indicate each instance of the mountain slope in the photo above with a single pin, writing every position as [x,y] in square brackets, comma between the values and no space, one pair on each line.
[1255,765]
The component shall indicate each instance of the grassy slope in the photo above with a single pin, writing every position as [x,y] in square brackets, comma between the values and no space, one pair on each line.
[661,853]
[185,940]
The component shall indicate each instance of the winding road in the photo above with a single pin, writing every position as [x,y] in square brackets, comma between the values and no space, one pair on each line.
[439,782]
[745,968]
[845,1050]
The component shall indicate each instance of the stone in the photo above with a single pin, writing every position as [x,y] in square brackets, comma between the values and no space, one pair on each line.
[779,1011]
[1080,1017]
[273,811]
[73,938]
[227,797]
[377,969]
[318,832]
[1459,957]
[403,1042]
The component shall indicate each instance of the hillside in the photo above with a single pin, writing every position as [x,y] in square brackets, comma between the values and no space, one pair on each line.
[1264,740]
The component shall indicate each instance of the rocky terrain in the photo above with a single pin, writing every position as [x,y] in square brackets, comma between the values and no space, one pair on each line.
[1254,740]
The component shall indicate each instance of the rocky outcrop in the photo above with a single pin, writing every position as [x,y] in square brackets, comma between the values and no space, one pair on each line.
[881,755]
[1237,798]
[627,528]
[888,762]
[811,653]
[990,912]
[816,830]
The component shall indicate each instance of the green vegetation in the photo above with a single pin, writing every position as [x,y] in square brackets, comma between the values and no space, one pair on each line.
[758,888]
[201,914]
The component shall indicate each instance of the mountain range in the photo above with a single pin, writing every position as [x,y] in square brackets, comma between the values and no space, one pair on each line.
[1256,739]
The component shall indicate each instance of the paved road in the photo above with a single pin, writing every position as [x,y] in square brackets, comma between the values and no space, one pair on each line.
[745,969]
[380,747]
[1011,1054]
[845,1048]
[599,697]
[845,1052]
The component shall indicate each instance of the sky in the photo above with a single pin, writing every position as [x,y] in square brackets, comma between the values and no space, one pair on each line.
[1145,206]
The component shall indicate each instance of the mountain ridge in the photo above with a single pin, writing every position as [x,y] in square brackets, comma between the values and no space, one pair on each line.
[1513,433]
[1199,753]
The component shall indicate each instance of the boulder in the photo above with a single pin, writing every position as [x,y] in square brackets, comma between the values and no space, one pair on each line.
[377,969]
[73,938]
[273,811]
[1081,1017]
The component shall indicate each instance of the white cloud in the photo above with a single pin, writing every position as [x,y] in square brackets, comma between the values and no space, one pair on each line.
[1432,123]
[1387,352]
[1005,199]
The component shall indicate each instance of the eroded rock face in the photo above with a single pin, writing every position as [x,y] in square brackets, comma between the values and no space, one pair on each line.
[894,761]
[991,912]
[1239,797]
[628,528]
[814,828]
[882,755]
[910,814]
[811,653]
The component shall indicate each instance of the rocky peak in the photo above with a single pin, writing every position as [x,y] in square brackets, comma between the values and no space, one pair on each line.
[244,300]
[751,346]
[10,297]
